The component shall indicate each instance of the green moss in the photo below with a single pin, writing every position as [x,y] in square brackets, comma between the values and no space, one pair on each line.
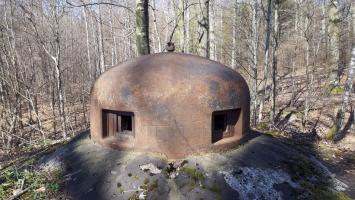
[150,187]
[262,126]
[336,90]
[321,194]
[133,197]
[274,133]
[323,147]
[146,181]
[219,197]
[193,173]
[194,176]
[299,114]
[300,167]
[331,133]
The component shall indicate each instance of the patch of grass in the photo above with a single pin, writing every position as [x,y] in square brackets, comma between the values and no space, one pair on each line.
[299,114]
[336,90]
[262,126]
[194,176]
[324,147]
[193,173]
[321,194]
[53,187]
[274,133]
[331,133]
[11,180]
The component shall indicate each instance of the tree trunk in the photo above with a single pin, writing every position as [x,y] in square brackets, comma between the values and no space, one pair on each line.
[114,43]
[333,30]
[234,36]
[211,30]
[101,43]
[266,59]
[142,27]
[157,34]
[274,62]
[255,60]
[87,42]
[348,84]
[204,33]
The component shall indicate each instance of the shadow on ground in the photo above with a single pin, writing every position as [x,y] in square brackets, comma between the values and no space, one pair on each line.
[261,167]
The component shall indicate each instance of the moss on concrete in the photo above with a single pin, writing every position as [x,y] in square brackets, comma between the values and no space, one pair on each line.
[322,194]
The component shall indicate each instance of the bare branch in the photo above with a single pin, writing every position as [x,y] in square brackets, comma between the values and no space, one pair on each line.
[98,3]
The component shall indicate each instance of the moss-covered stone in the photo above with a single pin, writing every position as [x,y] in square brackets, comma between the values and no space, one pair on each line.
[193,173]
[133,197]
[321,194]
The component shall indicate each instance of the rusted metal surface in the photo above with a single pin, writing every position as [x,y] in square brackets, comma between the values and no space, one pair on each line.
[172,97]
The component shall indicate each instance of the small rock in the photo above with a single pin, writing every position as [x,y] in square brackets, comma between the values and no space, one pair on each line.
[141,196]
[151,167]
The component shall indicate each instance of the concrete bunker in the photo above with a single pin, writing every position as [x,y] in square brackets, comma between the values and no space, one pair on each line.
[170,103]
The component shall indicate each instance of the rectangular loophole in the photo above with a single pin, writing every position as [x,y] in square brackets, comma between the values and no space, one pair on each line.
[117,123]
[224,123]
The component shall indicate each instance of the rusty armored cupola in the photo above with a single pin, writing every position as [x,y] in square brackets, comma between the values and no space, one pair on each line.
[171,103]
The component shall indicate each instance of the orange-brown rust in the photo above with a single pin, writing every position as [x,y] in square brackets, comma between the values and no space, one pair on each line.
[172,97]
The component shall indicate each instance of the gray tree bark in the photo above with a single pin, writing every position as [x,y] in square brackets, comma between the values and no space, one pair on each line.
[333,31]
[266,59]
[204,32]
[274,61]
[255,60]
[348,84]
[142,27]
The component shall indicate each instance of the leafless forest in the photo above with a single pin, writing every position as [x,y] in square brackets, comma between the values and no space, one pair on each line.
[298,57]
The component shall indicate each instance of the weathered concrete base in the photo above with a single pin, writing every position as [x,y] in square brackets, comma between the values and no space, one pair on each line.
[260,167]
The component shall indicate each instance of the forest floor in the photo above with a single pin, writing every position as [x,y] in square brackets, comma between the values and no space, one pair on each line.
[264,166]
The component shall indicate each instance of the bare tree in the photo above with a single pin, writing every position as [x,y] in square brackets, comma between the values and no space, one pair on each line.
[266,58]
[142,27]
[204,29]
[333,31]
[254,44]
